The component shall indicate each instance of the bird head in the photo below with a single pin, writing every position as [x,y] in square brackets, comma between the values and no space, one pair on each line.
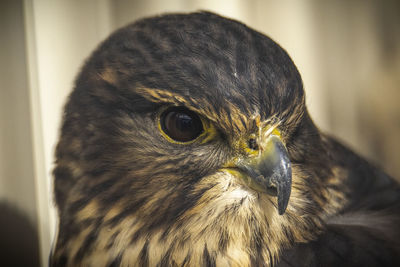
[186,139]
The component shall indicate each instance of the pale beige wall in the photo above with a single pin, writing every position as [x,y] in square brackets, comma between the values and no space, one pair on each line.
[60,35]
[16,168]
[358,51]
[18,212]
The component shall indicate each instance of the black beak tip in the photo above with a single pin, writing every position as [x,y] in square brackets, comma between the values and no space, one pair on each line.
[282,205]
[283,197]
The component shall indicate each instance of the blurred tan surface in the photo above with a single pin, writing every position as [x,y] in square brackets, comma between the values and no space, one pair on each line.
[18,213]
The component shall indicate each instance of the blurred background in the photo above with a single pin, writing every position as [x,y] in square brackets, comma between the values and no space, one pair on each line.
[348,53]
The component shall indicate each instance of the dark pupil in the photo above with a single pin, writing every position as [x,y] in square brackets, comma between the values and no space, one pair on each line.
[181,124]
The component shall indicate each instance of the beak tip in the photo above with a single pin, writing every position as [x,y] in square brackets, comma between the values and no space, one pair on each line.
[282,207]
[284,191]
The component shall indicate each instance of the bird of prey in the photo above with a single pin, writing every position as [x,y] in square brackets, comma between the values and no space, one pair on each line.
[187,142]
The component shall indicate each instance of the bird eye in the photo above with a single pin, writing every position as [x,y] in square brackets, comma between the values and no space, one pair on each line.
[181,124]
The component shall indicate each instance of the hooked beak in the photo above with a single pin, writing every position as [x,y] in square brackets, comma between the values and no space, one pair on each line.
[270,171]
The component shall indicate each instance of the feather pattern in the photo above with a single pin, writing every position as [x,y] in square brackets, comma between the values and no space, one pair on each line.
[127,196]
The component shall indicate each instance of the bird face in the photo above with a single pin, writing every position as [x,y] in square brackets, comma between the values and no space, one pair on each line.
[259,160]
[178,145]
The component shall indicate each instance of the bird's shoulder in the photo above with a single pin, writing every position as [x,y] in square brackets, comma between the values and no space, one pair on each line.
[366,231]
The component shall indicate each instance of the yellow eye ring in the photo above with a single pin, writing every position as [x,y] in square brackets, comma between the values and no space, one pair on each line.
[180,125]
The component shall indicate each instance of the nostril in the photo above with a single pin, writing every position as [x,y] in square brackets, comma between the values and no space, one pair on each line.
[252,143]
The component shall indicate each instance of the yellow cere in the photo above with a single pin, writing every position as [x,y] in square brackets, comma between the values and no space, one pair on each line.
[264,133]
[244,146]
[276,132]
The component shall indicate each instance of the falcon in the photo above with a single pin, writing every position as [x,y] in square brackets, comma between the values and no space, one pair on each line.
[187,142]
